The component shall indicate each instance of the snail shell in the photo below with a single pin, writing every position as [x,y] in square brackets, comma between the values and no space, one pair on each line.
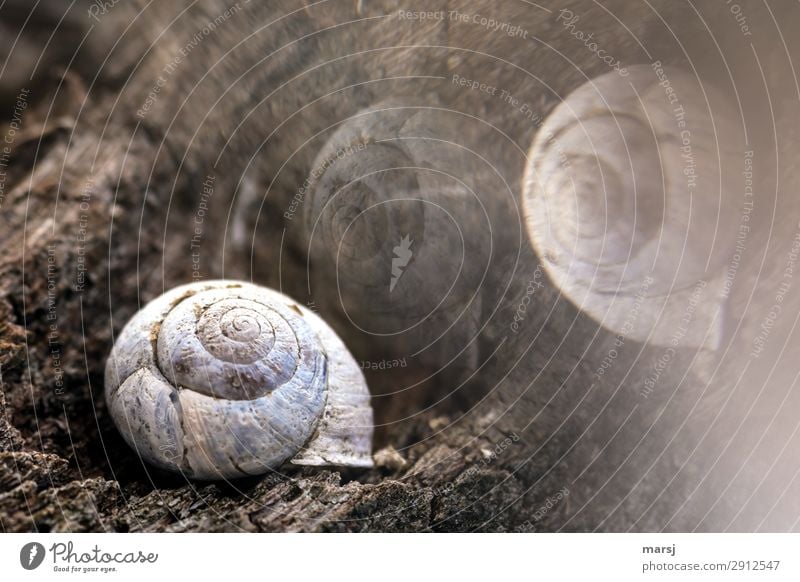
[396,226]
[224,379]
[632,201]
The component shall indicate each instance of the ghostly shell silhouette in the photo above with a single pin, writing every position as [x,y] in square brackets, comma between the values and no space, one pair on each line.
[225,379]
[632,200]
[397,231]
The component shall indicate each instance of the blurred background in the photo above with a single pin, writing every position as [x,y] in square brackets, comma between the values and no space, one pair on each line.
[559,237]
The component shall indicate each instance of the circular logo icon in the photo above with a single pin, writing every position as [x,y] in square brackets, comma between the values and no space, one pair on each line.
[31,555]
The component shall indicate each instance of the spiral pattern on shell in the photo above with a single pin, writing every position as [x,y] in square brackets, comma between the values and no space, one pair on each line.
[227,379]
[630,197]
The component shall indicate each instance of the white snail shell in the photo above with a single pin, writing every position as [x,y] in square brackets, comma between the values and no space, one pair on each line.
[396,227]
[225,379]
[632,201]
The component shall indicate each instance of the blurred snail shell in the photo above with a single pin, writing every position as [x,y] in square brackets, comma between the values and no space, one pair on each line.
[632,196]
[225,379]
[397,231]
